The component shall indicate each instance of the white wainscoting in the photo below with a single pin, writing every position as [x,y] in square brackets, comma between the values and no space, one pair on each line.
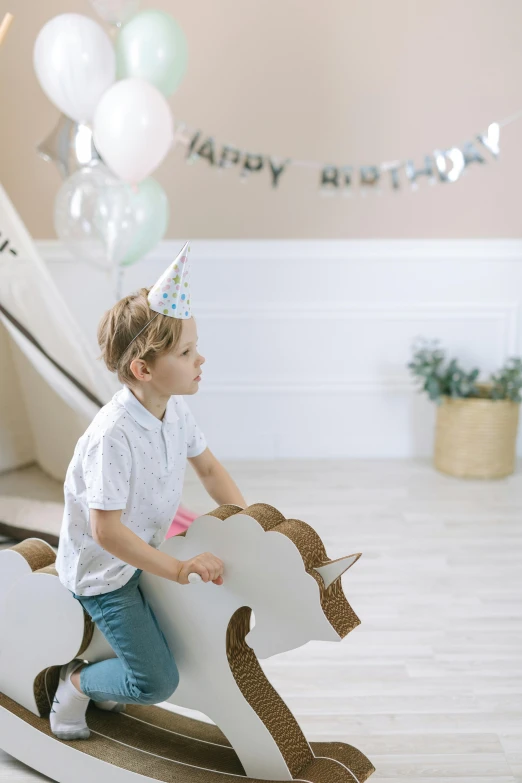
[307,342]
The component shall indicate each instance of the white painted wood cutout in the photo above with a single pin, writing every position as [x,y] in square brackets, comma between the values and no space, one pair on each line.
[263,570]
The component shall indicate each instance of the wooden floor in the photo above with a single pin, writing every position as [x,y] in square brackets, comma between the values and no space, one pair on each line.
[429,686]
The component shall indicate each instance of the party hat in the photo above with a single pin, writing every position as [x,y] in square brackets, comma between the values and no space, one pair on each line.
[170,295]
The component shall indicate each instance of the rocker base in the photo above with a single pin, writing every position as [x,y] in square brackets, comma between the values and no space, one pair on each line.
[147,743]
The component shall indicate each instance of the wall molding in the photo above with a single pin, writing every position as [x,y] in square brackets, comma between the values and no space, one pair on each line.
[364,404]
[505,313]
[328,249]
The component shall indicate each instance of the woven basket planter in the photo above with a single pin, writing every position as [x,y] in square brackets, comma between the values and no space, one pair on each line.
[476,437]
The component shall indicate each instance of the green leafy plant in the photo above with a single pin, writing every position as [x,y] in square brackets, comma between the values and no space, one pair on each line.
[508,382]
[451,380]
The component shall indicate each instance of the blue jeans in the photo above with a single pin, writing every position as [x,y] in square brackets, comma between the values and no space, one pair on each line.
[144,671]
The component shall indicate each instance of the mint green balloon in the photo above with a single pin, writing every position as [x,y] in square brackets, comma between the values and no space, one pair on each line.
[152,46]
[150,208]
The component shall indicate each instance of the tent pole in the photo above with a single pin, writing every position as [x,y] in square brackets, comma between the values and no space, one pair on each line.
[28,336]
[4,27]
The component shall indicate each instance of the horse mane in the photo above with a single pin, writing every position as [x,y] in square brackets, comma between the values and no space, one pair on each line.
[312,550]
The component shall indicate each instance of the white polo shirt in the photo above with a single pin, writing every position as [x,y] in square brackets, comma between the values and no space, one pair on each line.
[126,459]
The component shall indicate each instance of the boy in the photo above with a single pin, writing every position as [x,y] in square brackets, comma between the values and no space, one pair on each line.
[122,489]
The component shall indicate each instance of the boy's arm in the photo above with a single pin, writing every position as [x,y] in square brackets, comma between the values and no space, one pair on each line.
[216,480]
[116,538]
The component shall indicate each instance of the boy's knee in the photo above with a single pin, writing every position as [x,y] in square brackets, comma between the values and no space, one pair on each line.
[160,687]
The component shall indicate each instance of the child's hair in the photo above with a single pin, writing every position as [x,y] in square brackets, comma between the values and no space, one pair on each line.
[123,322]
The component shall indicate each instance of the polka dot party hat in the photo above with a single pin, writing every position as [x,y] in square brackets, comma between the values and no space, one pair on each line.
[171,294]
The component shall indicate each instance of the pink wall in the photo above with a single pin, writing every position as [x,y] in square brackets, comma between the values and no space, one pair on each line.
[347,81]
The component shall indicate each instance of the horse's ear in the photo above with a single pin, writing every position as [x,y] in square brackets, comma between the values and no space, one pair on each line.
[336,568]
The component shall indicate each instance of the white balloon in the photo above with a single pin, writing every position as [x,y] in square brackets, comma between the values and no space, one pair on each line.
[133,128]
[75,63]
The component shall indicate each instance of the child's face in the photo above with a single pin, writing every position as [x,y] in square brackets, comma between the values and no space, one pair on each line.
[175,372]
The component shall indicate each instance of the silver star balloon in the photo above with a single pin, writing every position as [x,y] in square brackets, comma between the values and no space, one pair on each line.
[70,146]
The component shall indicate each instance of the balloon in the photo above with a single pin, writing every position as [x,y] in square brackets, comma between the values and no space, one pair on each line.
[115,11]
[133,129]
[69,146]
[152,46]
[101,220]
[75,63]
[151,215]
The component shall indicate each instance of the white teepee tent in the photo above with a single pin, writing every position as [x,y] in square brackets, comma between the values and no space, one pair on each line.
[51,384]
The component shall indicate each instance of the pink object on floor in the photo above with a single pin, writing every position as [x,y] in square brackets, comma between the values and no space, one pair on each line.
[181,522]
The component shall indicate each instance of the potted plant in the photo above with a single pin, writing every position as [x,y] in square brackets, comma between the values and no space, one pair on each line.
[477,422]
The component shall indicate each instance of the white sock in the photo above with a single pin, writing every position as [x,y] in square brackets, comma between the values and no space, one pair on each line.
[67,716]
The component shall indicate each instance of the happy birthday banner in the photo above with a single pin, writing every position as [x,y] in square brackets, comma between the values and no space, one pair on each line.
[442,165]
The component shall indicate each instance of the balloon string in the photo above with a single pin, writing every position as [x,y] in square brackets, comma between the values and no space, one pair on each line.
[508,120]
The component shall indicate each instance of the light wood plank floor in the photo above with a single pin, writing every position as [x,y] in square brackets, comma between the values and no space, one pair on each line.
[429,686]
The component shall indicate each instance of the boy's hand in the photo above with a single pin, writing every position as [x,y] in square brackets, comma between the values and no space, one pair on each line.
[208,566]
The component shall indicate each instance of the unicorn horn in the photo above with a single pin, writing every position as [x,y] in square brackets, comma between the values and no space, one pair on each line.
[336,568]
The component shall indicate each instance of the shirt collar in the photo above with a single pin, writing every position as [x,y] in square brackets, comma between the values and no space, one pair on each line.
[143,416]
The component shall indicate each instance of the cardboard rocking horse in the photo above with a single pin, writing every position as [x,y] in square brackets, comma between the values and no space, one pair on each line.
[275,567]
